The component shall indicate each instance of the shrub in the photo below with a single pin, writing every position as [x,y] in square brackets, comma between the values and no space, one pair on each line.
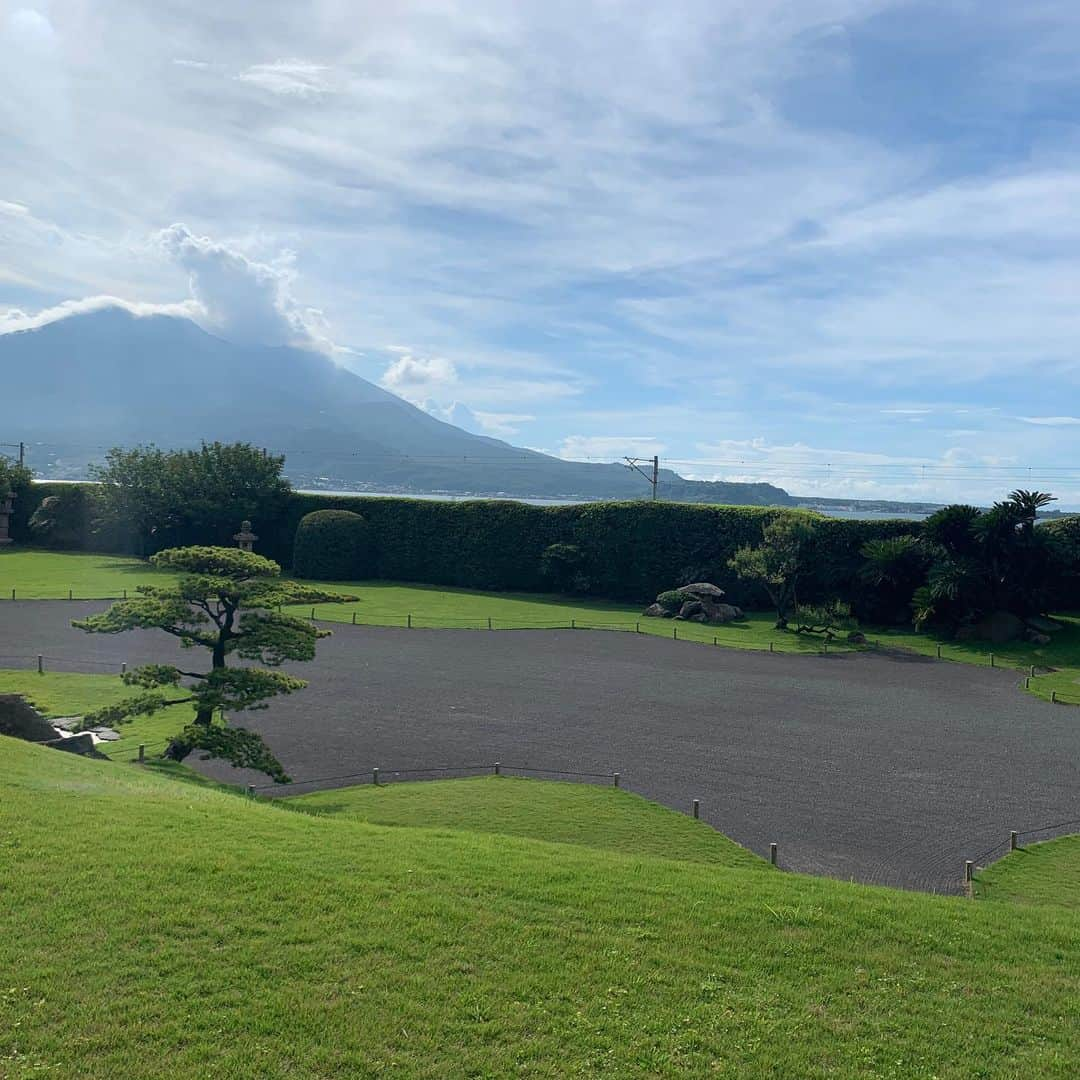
[672,599]
[65,520]
[332,545]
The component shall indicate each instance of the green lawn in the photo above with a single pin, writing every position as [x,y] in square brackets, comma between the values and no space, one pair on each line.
[46,574]
[65,694]
[52,575]
[156,929]
[1046,873]
[584,814]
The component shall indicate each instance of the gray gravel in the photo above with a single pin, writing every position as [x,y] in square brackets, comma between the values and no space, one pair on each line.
[876,768]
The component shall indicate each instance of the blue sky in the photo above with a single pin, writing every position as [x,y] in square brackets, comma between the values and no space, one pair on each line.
[832,244]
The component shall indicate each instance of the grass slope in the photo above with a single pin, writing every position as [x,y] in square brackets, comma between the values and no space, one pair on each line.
[1047,873]
[46,574]
[153,929]
[602,817]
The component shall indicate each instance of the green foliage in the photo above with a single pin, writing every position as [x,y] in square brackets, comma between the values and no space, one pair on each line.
[779,562]
[893,568]
[561,567]
[828,620]
[242,748]
[1063,535]
[970,563]
[173,498]
[66,520]
[332,545]
[671,599]
[226,604]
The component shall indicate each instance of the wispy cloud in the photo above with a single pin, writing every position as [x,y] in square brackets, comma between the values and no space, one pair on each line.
[289,78]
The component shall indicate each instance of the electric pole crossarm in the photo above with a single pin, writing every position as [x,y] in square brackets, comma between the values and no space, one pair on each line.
[635,464]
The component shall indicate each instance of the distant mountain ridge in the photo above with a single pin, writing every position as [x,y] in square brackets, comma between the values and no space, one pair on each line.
[89,381]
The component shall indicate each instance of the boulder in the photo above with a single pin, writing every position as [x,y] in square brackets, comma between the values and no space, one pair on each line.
[703,590]
[722,613]
[83,744]
[999,627]
[21,720]
[698,602]
[857,637]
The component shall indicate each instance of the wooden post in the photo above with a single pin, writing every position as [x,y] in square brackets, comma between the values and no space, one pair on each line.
[991,659]
[772,854]
[1053,697]
[714,641]
[637,628]
[354,618]
[615,779]
[125,594]
[1012,840]
[968,867]
[375,777]
[408,621]
[1031,673]
[489,622]
[498,766]
[674,633]
[825,646]
[939,652]
[40,664]
[771,649]
[12,594]
[70,595]
[1027,683]
[251,791]
[123,667]
[142,752]
[697,808]
[573,624]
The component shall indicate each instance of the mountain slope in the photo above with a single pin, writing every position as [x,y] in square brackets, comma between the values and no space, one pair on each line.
[86,382]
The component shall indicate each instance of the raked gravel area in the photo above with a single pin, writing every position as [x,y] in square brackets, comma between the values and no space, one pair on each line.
[877,768]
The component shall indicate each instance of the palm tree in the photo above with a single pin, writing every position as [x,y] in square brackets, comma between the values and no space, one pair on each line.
[1029,503]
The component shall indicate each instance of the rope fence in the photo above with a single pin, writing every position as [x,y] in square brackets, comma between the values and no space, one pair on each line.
[377,776]
[44,664]
[1017,839]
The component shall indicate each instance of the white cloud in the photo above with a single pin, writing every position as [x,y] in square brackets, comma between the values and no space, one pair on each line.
[609,447]
[13,320]
[239,298]
[288,78]
[417,379]
[499,425]
[1051,421]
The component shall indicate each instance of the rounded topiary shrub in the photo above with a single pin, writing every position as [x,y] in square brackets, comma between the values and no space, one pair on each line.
[332,545]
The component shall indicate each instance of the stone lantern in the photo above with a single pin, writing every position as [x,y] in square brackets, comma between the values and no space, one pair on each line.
[245,538]
[7,506]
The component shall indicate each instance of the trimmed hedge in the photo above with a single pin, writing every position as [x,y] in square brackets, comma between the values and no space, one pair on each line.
[629,551]
[332,545]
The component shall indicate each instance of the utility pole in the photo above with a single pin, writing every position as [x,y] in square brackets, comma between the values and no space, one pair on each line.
[22,453]
[636,463]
